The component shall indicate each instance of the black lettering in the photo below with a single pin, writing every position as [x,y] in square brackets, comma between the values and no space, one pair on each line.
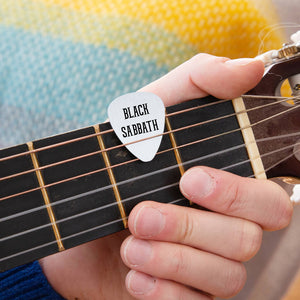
[124,132]
[145,128]
[125,111]
[139,126]
[146,111]
[149,126]
[154,123]
[129,132]
[134,128]
[140,109]
[135,112]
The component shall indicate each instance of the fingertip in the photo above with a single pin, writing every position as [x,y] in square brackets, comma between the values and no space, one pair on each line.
[196,184]
[205,74]
[139,284]
[133,215]
[146,220]
[225,78]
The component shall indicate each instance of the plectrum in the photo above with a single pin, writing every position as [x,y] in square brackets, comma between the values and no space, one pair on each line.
[135,117]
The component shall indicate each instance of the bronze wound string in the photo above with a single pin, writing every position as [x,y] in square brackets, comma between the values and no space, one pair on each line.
[122,145]
[283,99]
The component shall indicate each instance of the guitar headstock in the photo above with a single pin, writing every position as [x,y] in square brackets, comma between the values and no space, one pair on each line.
[274,115]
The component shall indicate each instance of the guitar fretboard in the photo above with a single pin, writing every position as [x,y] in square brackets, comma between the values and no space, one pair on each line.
[54,208]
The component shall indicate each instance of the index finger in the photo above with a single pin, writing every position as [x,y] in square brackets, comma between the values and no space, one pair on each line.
[261,201]
[204,75]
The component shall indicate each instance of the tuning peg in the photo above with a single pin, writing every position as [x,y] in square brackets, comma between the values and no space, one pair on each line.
[296,37]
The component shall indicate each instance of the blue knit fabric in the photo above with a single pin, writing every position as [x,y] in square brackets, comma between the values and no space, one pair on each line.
[26,282]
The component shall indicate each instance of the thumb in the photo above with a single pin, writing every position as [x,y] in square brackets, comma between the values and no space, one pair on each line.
[206,74]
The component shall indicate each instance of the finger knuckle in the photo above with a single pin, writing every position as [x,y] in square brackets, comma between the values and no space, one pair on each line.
[249,242]
[178,264]
[200,56]
[186,229]
[235,279]
[231,200]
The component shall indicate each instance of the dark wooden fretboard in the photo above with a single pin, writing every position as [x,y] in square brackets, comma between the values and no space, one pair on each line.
[53,217]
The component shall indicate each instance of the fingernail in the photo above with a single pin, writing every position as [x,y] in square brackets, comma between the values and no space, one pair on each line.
[196,184]
[139,283]
[137,252]
[149,222]
[240,61]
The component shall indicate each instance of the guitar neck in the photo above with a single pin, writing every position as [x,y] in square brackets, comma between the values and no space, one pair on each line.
[62,191]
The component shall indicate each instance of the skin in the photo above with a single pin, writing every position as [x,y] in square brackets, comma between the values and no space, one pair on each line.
[175,252]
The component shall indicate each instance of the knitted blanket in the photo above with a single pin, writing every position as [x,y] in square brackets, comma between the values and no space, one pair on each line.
[63,61]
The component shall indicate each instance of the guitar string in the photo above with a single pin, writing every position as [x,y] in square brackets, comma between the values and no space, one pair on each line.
[175,166]
[283,99]
[95,227]
[82,213]
[112,204]
[72,198]
[283,159]
[188,144]
[74,235]
[122,145]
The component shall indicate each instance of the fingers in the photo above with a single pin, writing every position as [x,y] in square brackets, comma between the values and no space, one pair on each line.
[260,201]
[205,74]
[143,286]
[199,229]
[184,247]
[189,266]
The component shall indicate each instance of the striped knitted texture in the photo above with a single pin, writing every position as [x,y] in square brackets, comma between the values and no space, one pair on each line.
[63,61]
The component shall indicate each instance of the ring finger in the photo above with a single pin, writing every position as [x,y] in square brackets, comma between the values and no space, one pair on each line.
[204,271]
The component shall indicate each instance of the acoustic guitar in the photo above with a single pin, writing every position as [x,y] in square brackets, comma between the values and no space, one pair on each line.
[65,190]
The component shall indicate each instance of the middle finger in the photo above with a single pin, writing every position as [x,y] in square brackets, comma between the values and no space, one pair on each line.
[231,237]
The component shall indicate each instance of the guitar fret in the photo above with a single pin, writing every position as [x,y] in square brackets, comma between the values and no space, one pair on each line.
[250,143]
[46,197]
[175,148]
[111,176]
[174,145]
[219,135]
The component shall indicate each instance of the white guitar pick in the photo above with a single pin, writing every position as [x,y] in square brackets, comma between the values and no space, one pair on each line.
[137,116]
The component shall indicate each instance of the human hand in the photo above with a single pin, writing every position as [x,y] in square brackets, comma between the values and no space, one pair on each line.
[173,248]
[175,252]
[208,246]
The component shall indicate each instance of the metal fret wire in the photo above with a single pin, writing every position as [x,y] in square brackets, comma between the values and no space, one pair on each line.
[103,169]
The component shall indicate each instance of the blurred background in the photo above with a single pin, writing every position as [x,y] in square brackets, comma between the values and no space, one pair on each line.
[63,61]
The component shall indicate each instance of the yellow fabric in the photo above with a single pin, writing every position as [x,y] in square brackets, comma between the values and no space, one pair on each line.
[231,28]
